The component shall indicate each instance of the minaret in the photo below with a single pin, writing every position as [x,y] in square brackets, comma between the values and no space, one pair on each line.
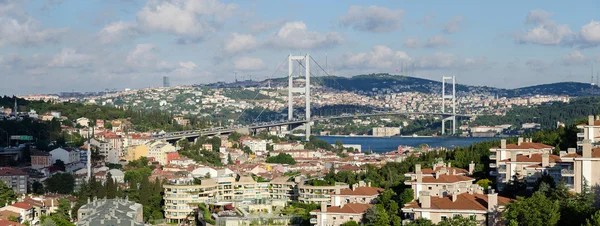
[15,109]
[89,157]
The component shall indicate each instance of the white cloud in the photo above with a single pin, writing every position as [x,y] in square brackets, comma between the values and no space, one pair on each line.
[295,35]
[117,31]
[143,58]
[264,26]
[238,43]
[437,41]
[411,42]
[69,58]
[248,64]
[372,18]
[380,57]
[590,33]
[454,25]
[26,32]
[574,58]
[188,65]
[538,16]
[188,19]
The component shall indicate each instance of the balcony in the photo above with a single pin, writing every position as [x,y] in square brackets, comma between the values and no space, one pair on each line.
[502,170]
[567,172]
[492,165]
[579,143]
[579,134]
[492,157]
[313,220]
[493,173]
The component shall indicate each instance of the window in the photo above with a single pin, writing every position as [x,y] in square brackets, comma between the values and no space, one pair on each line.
[444,218]
[472,217]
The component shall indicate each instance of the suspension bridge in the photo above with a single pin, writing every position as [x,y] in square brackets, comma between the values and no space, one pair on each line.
[447,114]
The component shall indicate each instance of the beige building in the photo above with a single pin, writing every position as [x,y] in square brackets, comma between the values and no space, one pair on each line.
[441,180]
[582,166]
[361,193]
[319,194]
[498,156]
[136,151]
[484,208]
[182,199]
[338,215]
[386,131]
[159,149]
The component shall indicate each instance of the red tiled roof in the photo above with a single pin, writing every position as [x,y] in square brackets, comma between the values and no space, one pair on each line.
[352,208]
[6,222]
[7,171]
[443,179]
[526,145]
[535,158]
[23,205]
[362,191]
[437,169]
[464,201]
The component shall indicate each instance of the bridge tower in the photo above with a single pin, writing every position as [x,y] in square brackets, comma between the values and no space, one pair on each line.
[452,98]
[303,90]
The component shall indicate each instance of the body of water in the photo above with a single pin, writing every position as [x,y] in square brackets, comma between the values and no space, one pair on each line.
[386,144]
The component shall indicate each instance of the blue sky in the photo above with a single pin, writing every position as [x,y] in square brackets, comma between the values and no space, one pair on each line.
[49,46]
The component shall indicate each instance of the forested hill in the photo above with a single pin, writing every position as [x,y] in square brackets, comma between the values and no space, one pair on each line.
[560,88]
[547,114]
[400,83]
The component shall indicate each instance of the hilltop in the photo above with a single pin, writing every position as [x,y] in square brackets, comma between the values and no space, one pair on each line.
[400,83]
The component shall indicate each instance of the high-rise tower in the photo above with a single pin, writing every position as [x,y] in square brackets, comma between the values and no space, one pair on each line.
[166,81]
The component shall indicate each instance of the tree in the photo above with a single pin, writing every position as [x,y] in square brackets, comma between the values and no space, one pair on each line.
[64,209]
[229,160]
[459,220]
[62,183]
[377,216]
[421,222]
[536,210]
[111,187]
[282,158]
[350,223]
[60,164]
[594,220]
[37,188]
[484,183]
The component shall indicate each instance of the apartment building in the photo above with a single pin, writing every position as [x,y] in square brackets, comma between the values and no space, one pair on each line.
[360,193]
[40,159]
[319,194]
[580,166]
[66,155]
[386,131]
[179,196]
[159,150]
[590,131]
[15,179]
[338,215]
[441,180]
[101,146]
[283,189]
[111,212]
[484,208]
[504,159]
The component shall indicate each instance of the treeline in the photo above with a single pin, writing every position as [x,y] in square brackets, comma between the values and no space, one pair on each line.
[546,115]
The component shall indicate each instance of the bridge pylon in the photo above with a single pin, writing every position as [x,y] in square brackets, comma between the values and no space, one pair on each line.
[303,90]
[452,99]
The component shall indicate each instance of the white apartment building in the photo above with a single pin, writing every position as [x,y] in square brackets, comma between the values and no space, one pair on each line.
[504,159]
[66,155]
[255,144]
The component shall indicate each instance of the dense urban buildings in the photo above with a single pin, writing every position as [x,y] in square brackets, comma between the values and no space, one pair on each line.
[117,212]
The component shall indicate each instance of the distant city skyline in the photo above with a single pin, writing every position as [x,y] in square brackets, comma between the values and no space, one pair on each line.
[52,46]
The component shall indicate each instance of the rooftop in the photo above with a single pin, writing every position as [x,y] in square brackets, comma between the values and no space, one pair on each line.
[350,208]
[7,171]
[464,201]
[362,191]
